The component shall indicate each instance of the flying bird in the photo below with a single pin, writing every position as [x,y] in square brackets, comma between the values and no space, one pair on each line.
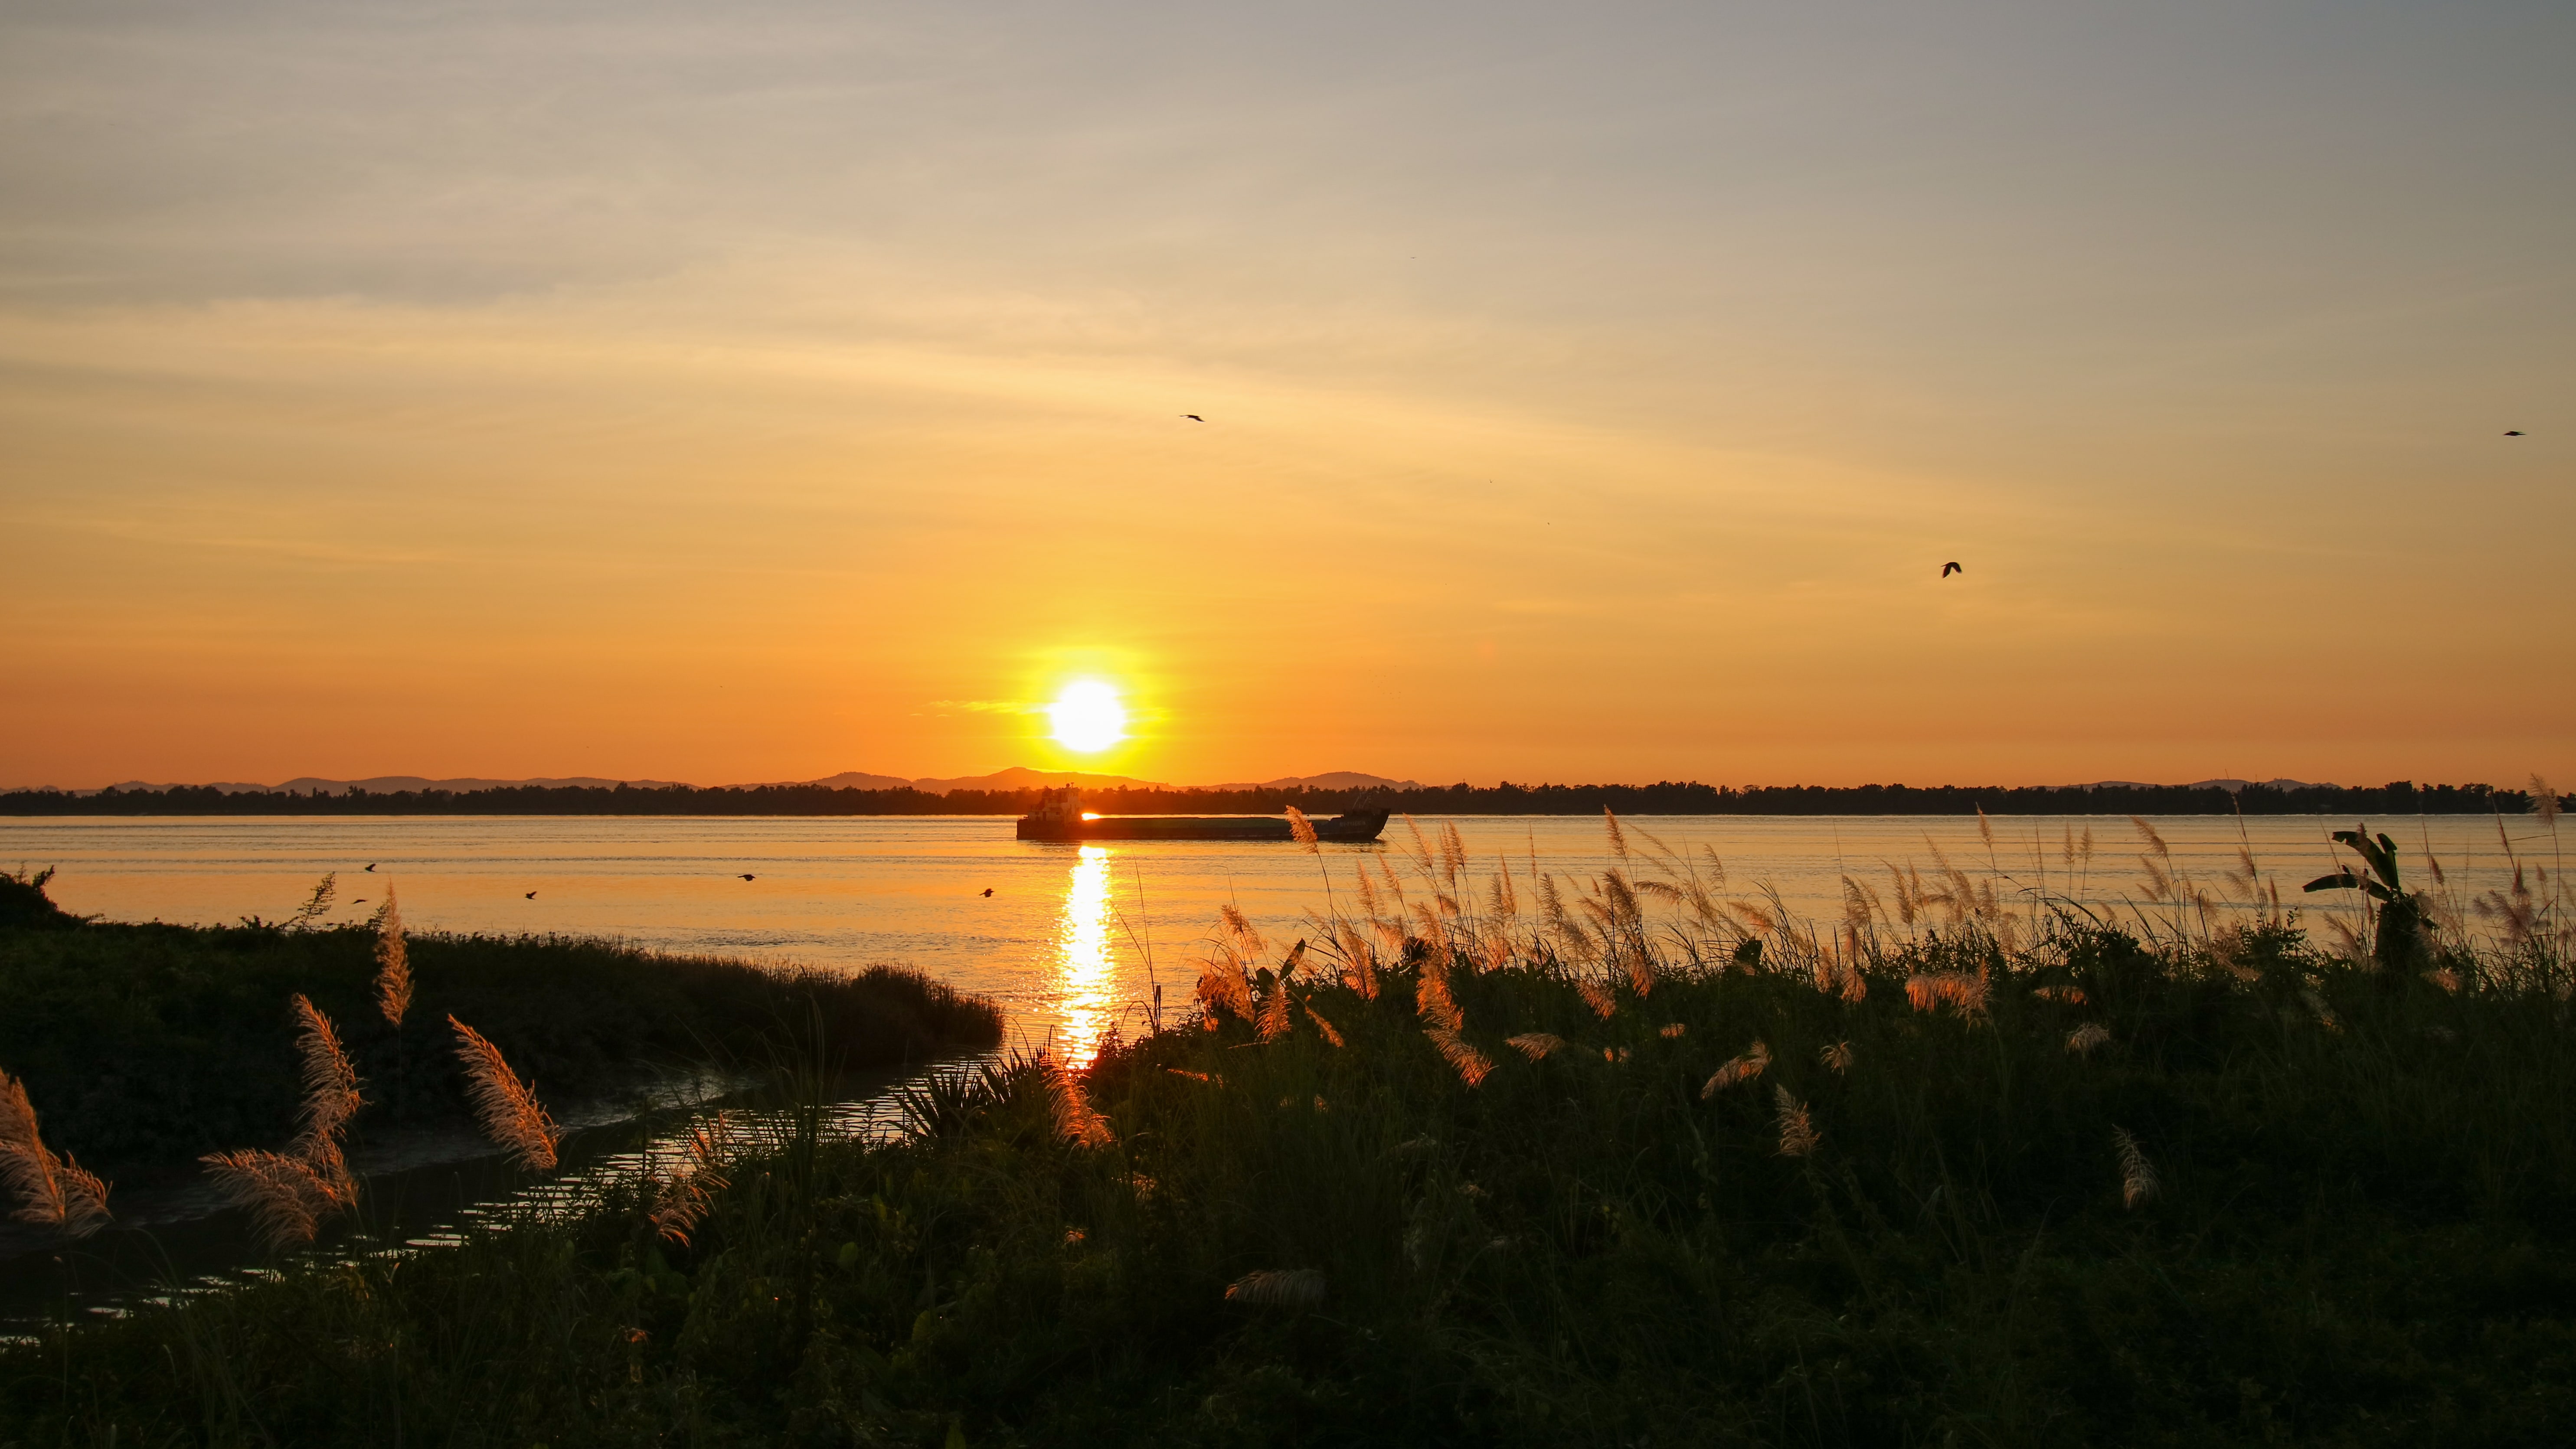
[1948,569]
[746,876]
[988,890]
[2513,432]
[532,895]
[371,865]
[1194,417]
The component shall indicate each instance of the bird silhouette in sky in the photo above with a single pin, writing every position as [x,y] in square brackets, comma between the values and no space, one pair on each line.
[532,895]
[1194,417]
[746,876]
[988,890]
[371,866]
[2513,432]
[1948,569]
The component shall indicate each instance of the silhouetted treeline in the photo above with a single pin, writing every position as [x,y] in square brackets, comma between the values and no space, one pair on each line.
[1666,798]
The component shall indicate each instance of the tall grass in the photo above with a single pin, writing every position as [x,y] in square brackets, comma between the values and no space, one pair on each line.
[1723,1177]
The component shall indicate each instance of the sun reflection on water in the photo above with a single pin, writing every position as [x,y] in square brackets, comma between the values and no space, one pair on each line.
[1086,978]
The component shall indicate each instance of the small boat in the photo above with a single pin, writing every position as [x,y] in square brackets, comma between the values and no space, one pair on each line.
[1060,816]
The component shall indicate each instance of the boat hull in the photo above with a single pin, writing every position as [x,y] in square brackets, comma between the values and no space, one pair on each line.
[1358,826]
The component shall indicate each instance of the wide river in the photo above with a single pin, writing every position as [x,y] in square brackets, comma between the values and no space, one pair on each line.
[1061,934]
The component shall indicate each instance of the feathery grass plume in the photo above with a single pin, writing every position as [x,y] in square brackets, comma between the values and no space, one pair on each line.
[1598,997]
[1321,1025]
[1855,986]
[1222,988]
[331,1098]
[1741,1068]
[1453,849]
[1277,1288]
[1420,854]
[2544,801]
[1535,1045]
[2137,1175]
[1671,1029]
[2446,978]
[2317,1007]
[393,962]
[287,1201]
[1618,841]
[1303,829]
[316,905]
[682,1197]
[1273,1023]
[50,1189]
[510,1113]
[1432,1001]
[1240,933]
[1798,1136]
[2063,995]
[1959,990]
[1471,1065]
[1076,1120]
[2083,1039]
[1193,1076]
[1837,1058]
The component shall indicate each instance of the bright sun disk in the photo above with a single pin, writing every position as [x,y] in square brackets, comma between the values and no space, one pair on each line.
[1088,717]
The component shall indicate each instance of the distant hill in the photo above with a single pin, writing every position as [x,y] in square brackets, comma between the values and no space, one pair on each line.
[388,784]
[2231,785]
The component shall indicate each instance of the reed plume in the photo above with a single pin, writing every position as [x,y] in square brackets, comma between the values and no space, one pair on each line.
[1303,829]
[393,962]
[1274,1021]
[2083,1039]
[1222,988]
[2137,1175]
[1598,997]
[287,1199]
[1076,1120]
[289,1194]
[1471,1065]
[682,1198]
[1959,990]
[1321,1025]
[1741,1068]
[2544,802]
[1798,1136]
[509,1110]
[2064,995]
[52,1190]
[1278,1288]
[1837,1058]
[2446,978]
[1618,841]
[1670,1030]
[1535,1045]
[1432,1001]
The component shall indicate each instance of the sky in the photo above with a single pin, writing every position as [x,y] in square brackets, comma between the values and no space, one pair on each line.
[1591,393]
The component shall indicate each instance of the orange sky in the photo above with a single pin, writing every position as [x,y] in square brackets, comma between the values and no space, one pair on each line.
[541,390]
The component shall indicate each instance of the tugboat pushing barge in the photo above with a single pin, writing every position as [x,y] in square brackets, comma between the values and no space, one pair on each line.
[1060,816]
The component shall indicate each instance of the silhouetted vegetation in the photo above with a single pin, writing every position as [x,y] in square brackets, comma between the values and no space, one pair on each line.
[1666,798]
[1617,1160]
[146,1045]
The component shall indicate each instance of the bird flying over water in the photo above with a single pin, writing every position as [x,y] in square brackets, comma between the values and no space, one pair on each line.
[1194,417]
[988,890]
[371,865]
[532,895]
[746,875]
[2513,432]
[1948,569]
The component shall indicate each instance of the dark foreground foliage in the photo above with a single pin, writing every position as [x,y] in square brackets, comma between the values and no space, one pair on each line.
[146,1045]
[2361,1230]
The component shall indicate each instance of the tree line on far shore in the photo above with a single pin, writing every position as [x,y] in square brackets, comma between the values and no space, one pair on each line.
[1663,798]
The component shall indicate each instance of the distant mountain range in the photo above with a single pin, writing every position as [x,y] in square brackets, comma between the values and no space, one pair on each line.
[1015,778]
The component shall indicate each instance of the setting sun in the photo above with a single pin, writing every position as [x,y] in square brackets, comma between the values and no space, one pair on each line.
[1088,717]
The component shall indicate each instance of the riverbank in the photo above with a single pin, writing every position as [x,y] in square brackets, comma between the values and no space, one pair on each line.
[143,1047]
[1991,1177]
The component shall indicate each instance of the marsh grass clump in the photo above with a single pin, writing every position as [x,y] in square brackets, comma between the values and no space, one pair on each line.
[2286,1196]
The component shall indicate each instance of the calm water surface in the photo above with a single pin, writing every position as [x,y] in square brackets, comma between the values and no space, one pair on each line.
[1064,937]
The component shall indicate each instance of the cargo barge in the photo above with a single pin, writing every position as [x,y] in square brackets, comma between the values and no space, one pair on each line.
[1060,816]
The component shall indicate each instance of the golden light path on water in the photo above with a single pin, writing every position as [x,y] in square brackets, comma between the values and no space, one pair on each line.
[1087,978]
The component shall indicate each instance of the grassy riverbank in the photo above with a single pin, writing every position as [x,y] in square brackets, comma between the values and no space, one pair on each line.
[143,1046]
[1981,1182]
